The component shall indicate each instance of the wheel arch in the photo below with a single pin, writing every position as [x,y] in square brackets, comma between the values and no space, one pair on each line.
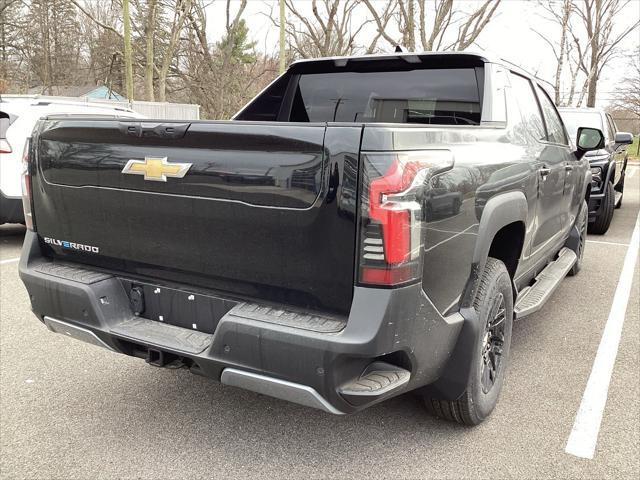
[502,224]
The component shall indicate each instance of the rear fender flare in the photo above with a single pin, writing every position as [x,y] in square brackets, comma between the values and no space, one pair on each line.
[500,211]
[611,172]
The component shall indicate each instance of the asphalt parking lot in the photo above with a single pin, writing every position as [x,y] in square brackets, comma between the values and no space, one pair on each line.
[70,410]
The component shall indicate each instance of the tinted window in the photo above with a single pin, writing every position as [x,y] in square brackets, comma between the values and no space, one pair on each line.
[612,128]
[575,119]
[531,118]
[437,96]
[555,128]
[266,106]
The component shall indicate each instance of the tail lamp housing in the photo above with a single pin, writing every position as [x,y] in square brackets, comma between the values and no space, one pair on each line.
[393,205]
[26,186]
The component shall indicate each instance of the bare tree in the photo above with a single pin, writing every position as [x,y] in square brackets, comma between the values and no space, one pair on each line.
[281,40]
[559,12]
[181,11]
[436,33]
[149,32]
[325,31]
[127,50]
[627,96]
[599,18]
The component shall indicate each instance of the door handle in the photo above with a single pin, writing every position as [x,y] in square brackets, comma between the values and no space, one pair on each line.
[568,168]
[544,171]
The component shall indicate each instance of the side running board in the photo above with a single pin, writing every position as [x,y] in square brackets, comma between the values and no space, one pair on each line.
[531,299]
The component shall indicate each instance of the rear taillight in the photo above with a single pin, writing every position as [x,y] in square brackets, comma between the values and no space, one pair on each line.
[393,209]
[26,187]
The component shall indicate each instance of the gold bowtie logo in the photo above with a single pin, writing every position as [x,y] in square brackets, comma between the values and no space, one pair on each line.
[157,169]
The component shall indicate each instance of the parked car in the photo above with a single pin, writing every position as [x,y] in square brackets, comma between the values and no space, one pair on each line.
[240,251]
[18,116]
[608,164]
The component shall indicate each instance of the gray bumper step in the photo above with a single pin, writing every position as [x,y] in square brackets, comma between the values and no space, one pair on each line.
[531,299]
[278,316]
[71,271]
[378,379]
[162,335]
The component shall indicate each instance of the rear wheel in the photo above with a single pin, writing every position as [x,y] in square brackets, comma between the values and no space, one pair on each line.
[494,306]
[603,221]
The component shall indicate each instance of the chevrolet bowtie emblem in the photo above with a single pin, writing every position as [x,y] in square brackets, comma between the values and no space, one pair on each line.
[156,168]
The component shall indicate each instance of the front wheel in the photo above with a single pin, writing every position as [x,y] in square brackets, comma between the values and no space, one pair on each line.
[494,307]
[603,221]
[581,224]
[620,188]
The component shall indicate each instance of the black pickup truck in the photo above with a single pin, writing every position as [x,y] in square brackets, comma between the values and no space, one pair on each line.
[365,227]
[608,164]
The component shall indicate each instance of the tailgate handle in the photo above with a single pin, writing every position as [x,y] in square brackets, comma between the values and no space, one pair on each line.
[154,129]
[164,130]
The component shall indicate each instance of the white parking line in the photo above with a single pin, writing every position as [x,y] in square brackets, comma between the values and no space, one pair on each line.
[9,260]
[608,243]
[584,435]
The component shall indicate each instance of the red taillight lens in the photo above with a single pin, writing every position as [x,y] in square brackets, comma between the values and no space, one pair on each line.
[392,214]
[26,187]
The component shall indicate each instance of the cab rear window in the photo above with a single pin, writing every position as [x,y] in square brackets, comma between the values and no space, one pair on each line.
[444,96]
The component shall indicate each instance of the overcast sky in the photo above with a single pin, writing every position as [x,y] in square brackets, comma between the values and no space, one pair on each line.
[510,35]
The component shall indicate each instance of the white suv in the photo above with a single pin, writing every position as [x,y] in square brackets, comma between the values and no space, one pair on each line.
[18,116]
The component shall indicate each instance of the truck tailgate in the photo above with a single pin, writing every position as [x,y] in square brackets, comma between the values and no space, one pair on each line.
[262,210]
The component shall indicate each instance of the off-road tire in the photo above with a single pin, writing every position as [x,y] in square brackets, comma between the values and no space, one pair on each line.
[475,405]
[603,221]
[581,223]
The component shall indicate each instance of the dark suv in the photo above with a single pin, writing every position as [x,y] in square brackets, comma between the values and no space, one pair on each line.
[608,164]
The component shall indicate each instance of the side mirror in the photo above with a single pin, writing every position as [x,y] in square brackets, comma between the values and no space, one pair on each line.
[589,139]
[623,138]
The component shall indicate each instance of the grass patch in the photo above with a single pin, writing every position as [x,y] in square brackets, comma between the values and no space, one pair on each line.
[632,149]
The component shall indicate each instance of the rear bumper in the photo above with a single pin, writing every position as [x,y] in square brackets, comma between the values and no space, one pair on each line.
[307,362]
[11,209]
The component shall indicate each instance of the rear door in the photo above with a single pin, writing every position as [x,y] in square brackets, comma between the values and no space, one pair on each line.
[245,208]
[549,163]
[557,143]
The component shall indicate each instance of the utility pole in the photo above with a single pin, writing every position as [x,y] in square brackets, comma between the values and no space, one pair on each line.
[128,67]
[282,50]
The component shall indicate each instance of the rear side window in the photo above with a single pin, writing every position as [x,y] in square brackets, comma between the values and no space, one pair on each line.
[427,96]
[612,127]
[529,109]
[266,106]
[555,128]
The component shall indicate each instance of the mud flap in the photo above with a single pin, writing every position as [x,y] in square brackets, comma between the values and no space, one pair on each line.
[455,377]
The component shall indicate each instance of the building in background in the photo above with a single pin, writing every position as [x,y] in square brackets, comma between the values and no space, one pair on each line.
[93,92]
